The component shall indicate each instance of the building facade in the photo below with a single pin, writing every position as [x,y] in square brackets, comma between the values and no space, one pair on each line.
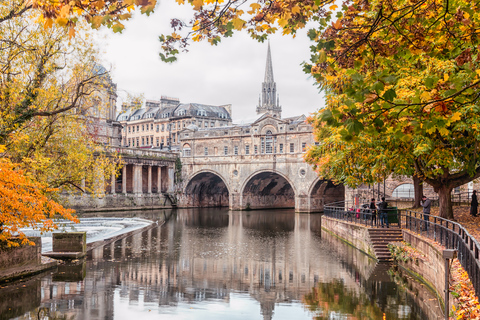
[158,124]
[255,165]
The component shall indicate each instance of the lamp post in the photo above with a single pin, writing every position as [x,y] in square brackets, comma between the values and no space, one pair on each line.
[448,254]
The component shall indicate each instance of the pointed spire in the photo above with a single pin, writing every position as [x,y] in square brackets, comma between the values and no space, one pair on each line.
[269,68]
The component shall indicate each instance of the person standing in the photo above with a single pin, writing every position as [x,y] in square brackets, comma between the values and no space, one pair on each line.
[373,211]
[474,204]
[382,211]
[426,204]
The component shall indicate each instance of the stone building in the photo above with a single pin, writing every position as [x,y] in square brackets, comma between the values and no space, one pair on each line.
[101,115]
[255,165]
[158,124]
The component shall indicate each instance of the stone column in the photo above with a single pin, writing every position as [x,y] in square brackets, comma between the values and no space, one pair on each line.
[171,174]
[124,179]
[302,203]
[112,183]
[159,179]
[137,179]
[234,201]
[149,182]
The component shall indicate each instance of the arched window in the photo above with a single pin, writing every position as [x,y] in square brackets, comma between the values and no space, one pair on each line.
[404,191]
[268,142]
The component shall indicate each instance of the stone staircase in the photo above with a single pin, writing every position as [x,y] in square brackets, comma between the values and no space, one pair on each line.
[380,237]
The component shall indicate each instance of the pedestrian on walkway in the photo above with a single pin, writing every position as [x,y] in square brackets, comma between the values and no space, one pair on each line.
[474,204]
[373,211]
[382,211]
[426,204]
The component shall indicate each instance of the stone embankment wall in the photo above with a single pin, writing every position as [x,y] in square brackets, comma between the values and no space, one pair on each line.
[431,268]
[353,234]
[17,262]
[115,202]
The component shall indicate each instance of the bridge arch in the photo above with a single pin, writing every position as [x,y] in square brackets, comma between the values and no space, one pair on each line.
[322,192]
[206,188]
[266,189]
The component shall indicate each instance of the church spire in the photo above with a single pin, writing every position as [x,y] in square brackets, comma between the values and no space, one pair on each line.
[269,99]
[269,68]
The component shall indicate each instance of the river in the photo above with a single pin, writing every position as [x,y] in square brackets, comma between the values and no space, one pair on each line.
[215,264]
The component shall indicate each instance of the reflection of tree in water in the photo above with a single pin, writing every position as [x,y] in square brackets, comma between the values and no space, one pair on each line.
[335,297]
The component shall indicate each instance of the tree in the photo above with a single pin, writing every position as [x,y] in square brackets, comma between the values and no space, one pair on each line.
[48,86]
[398,75]
[25,203]
[68,13]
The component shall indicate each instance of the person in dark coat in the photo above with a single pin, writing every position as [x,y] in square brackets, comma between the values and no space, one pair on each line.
[474,204]
[373,211]
[426,204]
[382,211]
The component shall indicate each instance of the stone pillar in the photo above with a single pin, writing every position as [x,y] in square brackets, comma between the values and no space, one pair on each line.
[149,182]
[124,179]
[302,203]
[113,183]
[234,200]
[159,179]
[171,174]
[137,179]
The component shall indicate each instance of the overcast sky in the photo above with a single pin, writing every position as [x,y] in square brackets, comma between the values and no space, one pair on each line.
[229,73]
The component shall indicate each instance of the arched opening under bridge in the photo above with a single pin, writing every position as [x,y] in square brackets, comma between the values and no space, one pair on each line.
[268,190]
[206,189]
[325,192]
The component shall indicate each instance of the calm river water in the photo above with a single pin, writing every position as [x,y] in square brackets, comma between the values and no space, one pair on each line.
[214,264]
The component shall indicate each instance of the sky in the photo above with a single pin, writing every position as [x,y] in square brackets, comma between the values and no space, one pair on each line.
[230,73]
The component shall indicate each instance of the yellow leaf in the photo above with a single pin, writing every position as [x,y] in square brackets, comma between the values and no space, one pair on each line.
[456,116]
[333,7]
[71,32]
[61,21]
[238,23]
[425,96]
[255,6]
[445,77]
[48,23]
[296,10]
[444,131]
[282,22]
[197,4]
[337,25]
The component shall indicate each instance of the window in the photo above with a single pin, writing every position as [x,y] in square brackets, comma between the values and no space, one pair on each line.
[174,136]
[174,124]
[133,129]
[225,150]
[292,147]
[255,149]
[262,145]
[129,142]
[304,146]
[205,151]
[281,147]
[163,127]
[187,152]
[212,124]
[138,142]
[151,126]
[138,128]
[269,142]
[157,127]
[129,129]
[247,149]
[163,140]
[143,128]
[143,141]
[235,150]
[158,142]
[206,124]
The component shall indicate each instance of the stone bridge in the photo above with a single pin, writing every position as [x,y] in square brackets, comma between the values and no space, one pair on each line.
[258,181]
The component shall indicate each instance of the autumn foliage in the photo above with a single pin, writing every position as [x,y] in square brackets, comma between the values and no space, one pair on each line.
[25,202]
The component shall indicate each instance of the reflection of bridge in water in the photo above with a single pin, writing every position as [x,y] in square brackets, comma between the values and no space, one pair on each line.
[275,257]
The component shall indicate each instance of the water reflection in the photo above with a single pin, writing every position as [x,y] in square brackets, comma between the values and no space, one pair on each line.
[216,264]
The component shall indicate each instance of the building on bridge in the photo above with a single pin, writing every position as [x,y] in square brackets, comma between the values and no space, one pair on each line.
[158,124]
[255,165]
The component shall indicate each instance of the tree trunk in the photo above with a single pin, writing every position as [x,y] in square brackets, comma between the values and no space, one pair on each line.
[445,202]
[418,191]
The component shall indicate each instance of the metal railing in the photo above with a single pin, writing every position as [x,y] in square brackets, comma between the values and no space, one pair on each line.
[361,214]
[452,235]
